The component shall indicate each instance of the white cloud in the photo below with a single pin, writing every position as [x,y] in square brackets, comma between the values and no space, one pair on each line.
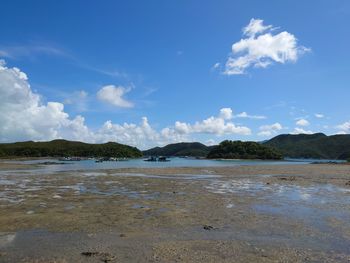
[344,127]
[262,48]
[219,125]
[141,135]
[216,65]
[211,142]
[226,113]
[341,133]
[78,99]
[246,115]
[254,27]
[31,50]
[319,115]
[298,130]
[24,116]
[114,96]
[269,130]
[302,122]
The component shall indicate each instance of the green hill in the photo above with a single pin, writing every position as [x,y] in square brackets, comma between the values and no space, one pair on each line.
[318,145]
[60,148]
[243,150]
[194,149]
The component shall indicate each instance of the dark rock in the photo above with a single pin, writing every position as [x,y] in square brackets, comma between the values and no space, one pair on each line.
[288,178]
[90,254]
[208,227]
[104,257]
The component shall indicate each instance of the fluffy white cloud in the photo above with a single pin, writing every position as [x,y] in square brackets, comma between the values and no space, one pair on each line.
[219,125]
[255,26]
[246,115]
[114,96]
[302,122]
[141,135]
[22,113]
[24,116]
[344,127]
[319,115]
[261,48]
[269,130]
[226,113]
[298,130]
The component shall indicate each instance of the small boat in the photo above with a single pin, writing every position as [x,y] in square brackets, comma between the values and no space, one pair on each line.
[151,159]
[157,159]
[163,159]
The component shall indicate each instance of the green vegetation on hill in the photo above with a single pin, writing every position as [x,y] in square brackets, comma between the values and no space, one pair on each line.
[318,146]
[194,149]
[243,150]
[61,148]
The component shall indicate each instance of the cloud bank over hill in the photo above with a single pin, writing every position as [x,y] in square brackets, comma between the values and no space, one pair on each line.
[24,116]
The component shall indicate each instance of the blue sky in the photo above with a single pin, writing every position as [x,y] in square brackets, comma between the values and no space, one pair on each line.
[105,66]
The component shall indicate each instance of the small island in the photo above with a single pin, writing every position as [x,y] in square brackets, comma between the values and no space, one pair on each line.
[243,150]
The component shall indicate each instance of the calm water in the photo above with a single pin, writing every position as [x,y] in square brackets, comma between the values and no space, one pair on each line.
[140,163]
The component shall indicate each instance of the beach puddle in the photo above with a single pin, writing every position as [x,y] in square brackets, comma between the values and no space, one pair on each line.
[177,176]
[6,239]
[236,186]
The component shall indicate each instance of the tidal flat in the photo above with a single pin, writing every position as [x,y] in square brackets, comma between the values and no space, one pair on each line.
[252,213]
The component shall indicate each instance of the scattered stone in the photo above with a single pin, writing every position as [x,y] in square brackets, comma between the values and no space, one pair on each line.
[90,254]
[30,212]
[288,178]
[347,183]
[104,257]
[208,227]
[57,197]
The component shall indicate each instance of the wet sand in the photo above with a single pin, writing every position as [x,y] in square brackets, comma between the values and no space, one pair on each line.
[263,213]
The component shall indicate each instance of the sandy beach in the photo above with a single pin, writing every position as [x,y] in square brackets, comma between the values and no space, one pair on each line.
[261,213]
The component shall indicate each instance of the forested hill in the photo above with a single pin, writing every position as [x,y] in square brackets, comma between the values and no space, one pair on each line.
[243,150]
[61,148]
[316,145]
[195,149]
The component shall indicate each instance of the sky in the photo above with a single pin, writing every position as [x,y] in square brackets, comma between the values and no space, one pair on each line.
[149,73]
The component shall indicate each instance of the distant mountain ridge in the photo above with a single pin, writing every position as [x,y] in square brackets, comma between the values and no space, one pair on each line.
[318,146]
[61,148]
[194,149]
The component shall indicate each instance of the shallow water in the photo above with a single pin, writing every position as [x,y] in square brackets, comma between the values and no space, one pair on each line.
[140,163]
